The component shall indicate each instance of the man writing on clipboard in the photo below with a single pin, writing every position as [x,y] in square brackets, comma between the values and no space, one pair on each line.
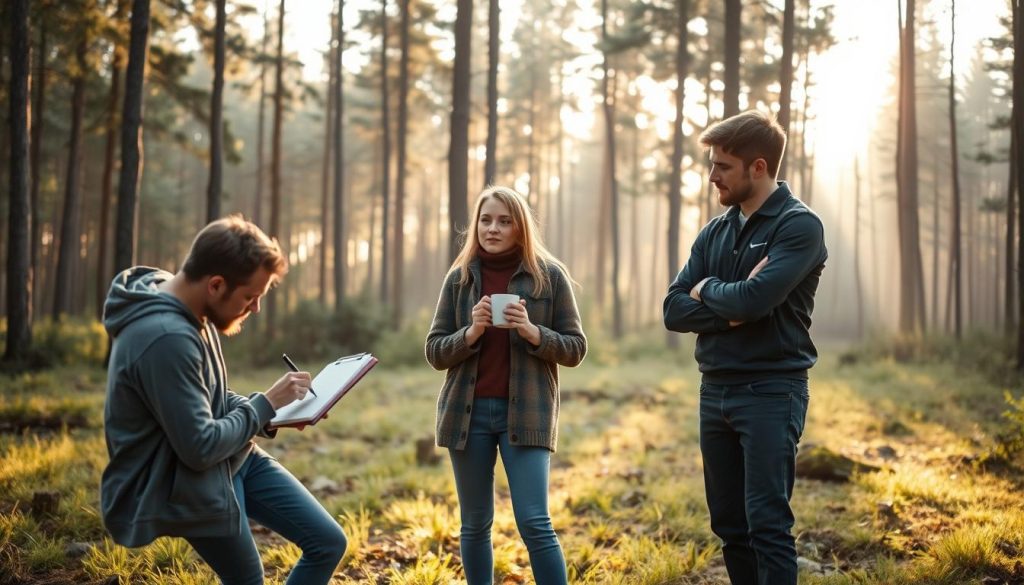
[182,457]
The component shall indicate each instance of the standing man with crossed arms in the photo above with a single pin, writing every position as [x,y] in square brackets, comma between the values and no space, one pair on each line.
[747,291]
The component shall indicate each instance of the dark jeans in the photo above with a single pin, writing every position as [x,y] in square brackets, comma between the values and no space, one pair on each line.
[748,441]
[270,495]
[527,470]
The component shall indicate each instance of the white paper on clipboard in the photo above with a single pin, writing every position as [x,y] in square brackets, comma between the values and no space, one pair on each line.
[333,382]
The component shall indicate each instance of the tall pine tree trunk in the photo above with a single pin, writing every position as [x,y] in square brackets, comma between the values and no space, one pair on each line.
[403,122]
[385,123]
[493,48]
[634,222]
[325,167]
[19,270]
[912,280]
[69,231]
[707,187]
[371,257]
[257,216]
[876,289]
[609,133]
[857,286]
[131,138]
[912,173]
[276,131]
[532,194]
[675,195]
[786,73]
[996,265]
[5,138]
[955,172]
[1018,133]
[1010,322]
[733,26]
[458,212]
[36,157]
[603,226]
[340,248]
[560,165]
[216,179]
[570,226]
[970,263]
[275,161]
[107,181]
[805,176]
[936,241]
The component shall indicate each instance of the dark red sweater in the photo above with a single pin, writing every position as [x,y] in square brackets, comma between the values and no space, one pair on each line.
[493,371]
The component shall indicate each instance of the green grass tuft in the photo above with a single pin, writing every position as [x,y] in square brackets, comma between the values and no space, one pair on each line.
[109,559]
[429,569]
[645,561]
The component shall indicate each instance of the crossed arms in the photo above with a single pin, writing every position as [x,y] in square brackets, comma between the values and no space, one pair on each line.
[700,302]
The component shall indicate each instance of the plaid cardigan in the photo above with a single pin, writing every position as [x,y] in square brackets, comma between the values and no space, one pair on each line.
[533,384]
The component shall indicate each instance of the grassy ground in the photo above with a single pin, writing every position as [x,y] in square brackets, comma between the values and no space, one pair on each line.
[627,491]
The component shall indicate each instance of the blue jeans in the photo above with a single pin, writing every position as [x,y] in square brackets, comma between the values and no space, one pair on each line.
[527,470]
[270,495]
[748,441]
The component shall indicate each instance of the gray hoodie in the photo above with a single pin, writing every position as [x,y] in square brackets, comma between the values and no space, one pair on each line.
[175,432]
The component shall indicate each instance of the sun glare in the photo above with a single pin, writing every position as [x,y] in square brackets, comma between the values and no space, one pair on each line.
[852,82]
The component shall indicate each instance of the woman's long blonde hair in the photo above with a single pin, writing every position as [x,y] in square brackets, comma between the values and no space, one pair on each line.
[535,256]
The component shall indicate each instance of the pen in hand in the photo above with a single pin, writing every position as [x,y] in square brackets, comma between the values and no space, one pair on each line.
[294,368]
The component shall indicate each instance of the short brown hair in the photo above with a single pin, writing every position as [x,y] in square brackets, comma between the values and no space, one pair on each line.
[235,249]
[749,136]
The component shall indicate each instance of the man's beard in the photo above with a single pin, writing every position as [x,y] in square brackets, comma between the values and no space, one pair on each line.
[226,325]
[233,326]
[736,196]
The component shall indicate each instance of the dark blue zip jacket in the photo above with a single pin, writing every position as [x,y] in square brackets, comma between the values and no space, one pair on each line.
[775,306]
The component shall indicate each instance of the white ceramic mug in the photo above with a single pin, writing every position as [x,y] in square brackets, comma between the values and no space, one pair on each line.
[498,304]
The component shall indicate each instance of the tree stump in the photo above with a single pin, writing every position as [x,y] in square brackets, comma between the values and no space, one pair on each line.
[817,462]
[45,504]
[425,452]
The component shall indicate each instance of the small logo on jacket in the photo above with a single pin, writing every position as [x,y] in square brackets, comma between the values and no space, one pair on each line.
[752,246]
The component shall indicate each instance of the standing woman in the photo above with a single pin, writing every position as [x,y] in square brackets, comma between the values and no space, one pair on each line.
[501,391]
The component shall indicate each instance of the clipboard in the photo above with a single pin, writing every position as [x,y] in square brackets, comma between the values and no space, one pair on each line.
[333,382]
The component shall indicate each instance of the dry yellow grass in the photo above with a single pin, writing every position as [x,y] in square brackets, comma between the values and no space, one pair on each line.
[626,495]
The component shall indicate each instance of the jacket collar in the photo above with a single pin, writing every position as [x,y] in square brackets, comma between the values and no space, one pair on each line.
[516,283]
[771,207]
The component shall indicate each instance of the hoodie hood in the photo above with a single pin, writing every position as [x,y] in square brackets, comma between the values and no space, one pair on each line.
[134,294]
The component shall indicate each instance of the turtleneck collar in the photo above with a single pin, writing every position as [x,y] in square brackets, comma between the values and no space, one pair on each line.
[509,259]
